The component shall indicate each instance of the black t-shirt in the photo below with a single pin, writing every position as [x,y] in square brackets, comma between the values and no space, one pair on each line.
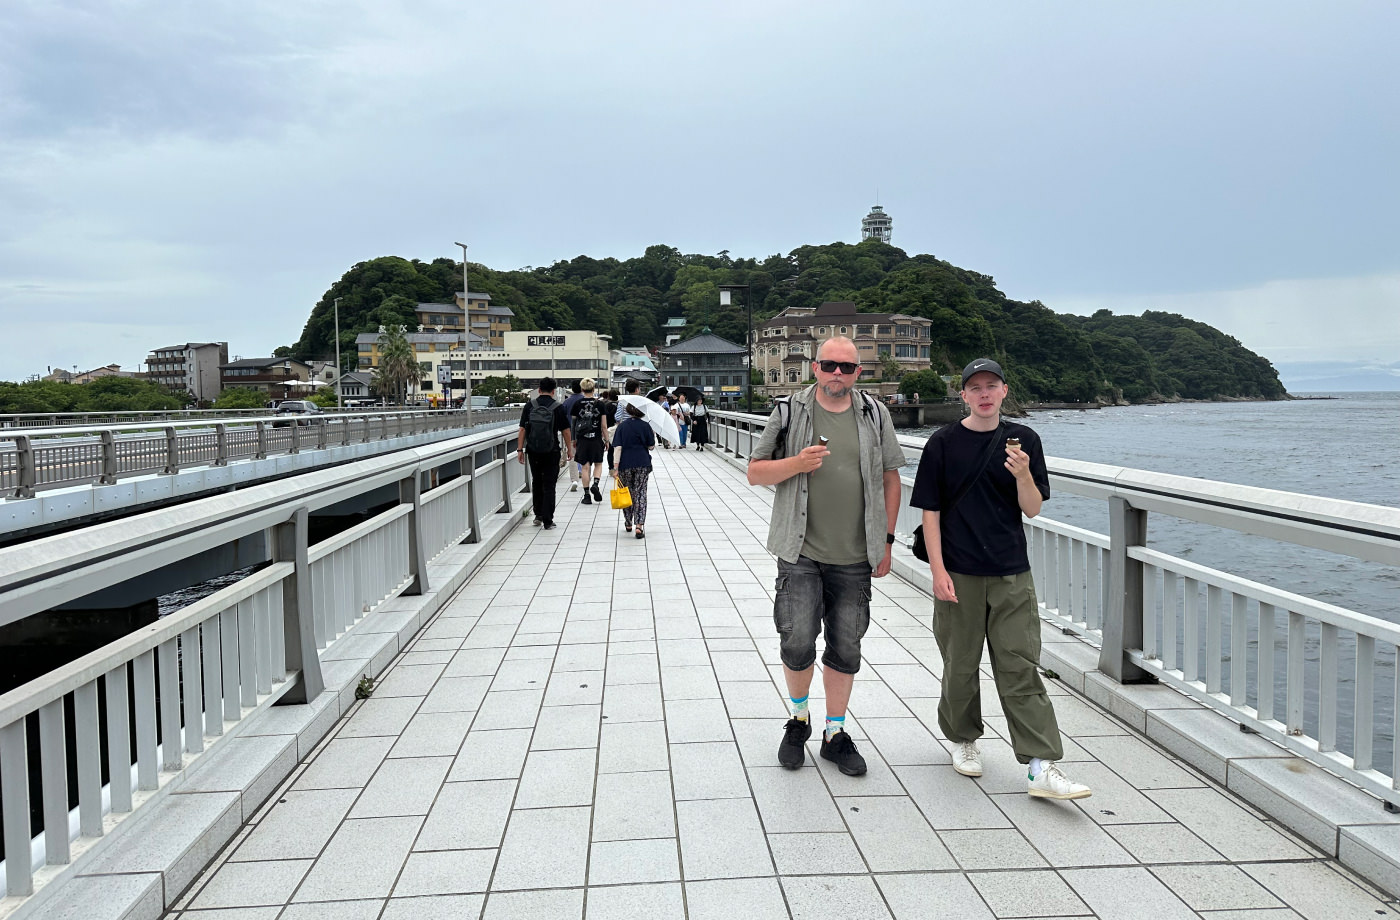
[982,535]
[561,421]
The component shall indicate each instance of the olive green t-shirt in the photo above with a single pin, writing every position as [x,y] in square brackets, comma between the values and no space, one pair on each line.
[835,532]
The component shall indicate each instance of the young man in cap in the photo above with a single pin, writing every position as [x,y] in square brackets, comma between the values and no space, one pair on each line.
[840,445]
[975,481]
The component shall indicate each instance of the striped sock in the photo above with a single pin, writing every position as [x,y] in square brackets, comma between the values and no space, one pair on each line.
[799,707]
[834,724]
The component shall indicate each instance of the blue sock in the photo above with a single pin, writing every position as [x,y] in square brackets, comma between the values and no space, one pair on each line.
[834,724]
[799,708]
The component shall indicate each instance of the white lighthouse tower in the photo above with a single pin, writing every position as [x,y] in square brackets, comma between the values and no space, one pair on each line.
[877,225]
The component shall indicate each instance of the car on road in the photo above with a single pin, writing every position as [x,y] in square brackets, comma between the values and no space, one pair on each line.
[297,407]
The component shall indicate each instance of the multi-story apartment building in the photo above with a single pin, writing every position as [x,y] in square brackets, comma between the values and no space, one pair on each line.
[786,344]
[488,321]
[565,354]
[712,364]
[192,368]
[279,378]
[433,349]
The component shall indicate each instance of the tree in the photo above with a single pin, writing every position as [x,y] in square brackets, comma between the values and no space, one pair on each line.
[890,368]
[241,398]
[502,390]
[928,384]
[398,365]
[324,397]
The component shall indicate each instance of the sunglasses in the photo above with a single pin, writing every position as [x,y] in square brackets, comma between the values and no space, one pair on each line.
[847,367]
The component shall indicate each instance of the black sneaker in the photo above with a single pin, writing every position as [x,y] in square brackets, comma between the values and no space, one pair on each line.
[792,753]
[597,494]
[550,526]
[841,750]
[587,499]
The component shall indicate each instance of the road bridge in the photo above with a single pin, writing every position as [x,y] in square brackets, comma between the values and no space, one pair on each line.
[576,723]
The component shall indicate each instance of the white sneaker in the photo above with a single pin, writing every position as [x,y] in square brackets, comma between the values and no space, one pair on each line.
[967,759]
[573,488]
[1053,784]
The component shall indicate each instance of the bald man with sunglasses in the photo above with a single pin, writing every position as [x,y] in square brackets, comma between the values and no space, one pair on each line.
[840,444]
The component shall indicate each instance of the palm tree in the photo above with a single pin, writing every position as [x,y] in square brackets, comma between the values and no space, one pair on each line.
[398,365]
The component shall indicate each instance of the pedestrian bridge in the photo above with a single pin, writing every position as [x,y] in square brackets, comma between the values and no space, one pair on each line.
[575,723]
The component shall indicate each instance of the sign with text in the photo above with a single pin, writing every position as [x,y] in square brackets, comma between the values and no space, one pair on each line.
[534,340]
[731,389]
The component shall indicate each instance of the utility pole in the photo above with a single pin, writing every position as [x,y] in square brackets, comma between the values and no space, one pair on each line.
[338,372]
[467,318]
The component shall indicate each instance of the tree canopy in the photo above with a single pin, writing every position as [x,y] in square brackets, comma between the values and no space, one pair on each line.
[105,394]
[1047,355]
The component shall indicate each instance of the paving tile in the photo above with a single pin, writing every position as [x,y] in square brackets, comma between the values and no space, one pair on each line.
[690,682]
[690,721]
[1035,893]
[948,800]
[1063,834]
[252,884]
[1315,890]
[534,905]
[1140,763]
[1227,827]
[562,833]
[408,680]
[581,657]
[632,669]
[815,854]
[562,727]
[637,902]
[721,838]
[574,688]
[1114,801]
[752,699]
[435,907]
[509,709]
[632,703]
[529,674]
[405,786]
[456,694]
[633,805]
[331,910]
[625,862]
[821,897]
[626,747]
[729,899]
[910,895]
[374,717]
[361,861]
[708,770]
[433,734]
[475,662]
[297,826]
[491,755]
[992,849]
[893,835]
[1126,894]
[1215,887]
[1162,843]
[583,632]
[793,800]
[878,779]
[904,742]
[554,779]
[739,666]
[907,680]
[682,653]
[468,816]
[445,872]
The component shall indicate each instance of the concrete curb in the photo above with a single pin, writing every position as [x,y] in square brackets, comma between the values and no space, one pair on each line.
[139,871]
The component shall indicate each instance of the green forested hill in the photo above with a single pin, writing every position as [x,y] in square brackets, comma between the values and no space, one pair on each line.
[1049,356]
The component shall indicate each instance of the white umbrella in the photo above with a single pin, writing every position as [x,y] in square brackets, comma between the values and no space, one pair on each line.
[658,418]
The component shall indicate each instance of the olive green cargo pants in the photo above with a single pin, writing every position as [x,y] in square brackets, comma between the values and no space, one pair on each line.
[1000,611]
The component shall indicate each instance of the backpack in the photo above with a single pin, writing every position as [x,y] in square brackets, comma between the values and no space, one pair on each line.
[588,423]
[539,431]
[869,404]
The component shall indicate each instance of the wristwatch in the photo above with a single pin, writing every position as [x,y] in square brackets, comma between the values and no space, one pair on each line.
[889,539]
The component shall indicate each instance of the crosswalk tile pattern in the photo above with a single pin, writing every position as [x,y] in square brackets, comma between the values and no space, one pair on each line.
[589,730]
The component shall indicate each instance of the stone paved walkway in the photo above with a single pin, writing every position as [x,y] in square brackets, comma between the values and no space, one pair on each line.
[589,729]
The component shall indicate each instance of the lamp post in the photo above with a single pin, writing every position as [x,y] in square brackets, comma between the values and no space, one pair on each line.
[338,374]
[724,301]
[467,317]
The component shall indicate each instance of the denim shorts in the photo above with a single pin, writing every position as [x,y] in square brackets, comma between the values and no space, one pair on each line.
[810,594]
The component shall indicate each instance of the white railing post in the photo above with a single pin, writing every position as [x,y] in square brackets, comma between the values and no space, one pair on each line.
[172,451]
[109,458]
[468,468]
[14,790]
[1122,622]
[290,544]
[24,466]
[411,493]
[221,444]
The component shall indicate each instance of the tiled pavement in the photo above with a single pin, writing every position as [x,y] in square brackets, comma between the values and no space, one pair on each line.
[589,729]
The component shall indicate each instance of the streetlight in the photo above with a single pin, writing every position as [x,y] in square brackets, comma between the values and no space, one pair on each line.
[467,318]
[724,301]
[337,355]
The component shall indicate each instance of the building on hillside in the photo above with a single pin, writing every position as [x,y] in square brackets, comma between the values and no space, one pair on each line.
[713,365]
[323,373]
[787,344]
[195,368]
[356,386]
[877,225]
[673,330]
[434,350]
[490,322]
[278,378]
[565,354]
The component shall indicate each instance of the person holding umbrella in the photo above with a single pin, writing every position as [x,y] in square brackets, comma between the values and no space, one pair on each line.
[632,444]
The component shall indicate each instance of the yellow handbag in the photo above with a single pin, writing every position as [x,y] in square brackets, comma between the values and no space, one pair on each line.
[621,497]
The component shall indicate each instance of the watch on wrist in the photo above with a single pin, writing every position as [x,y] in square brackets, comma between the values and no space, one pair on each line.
[889,539]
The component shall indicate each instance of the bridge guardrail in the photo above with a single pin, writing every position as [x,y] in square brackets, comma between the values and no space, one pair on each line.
[32,460]
[184,684]
[1205,631]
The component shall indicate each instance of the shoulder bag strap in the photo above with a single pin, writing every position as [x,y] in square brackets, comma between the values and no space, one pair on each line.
[988,452]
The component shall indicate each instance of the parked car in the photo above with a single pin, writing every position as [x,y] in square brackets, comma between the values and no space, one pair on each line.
[297,407]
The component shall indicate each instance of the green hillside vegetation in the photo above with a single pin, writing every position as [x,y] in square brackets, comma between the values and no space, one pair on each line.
[1048,356]
[106,394]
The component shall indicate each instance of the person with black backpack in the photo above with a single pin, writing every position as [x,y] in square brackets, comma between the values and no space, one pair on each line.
[590,429]
[541,423]
[976,479]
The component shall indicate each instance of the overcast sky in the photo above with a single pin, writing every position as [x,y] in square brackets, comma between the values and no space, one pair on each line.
[175,172]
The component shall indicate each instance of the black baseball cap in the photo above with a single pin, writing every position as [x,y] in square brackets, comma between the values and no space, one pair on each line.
[980,365]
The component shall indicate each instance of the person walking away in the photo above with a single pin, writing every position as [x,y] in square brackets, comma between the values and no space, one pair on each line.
[700,424]
[632,387]
[590,429]
[682,410]
[542,422]
[609,402]
[833,441]
[632,444]
[574,472]
[975,481]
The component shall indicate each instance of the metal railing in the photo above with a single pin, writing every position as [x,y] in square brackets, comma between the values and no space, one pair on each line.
[182,685]
[32,460]
[161,416]
[1270,659]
